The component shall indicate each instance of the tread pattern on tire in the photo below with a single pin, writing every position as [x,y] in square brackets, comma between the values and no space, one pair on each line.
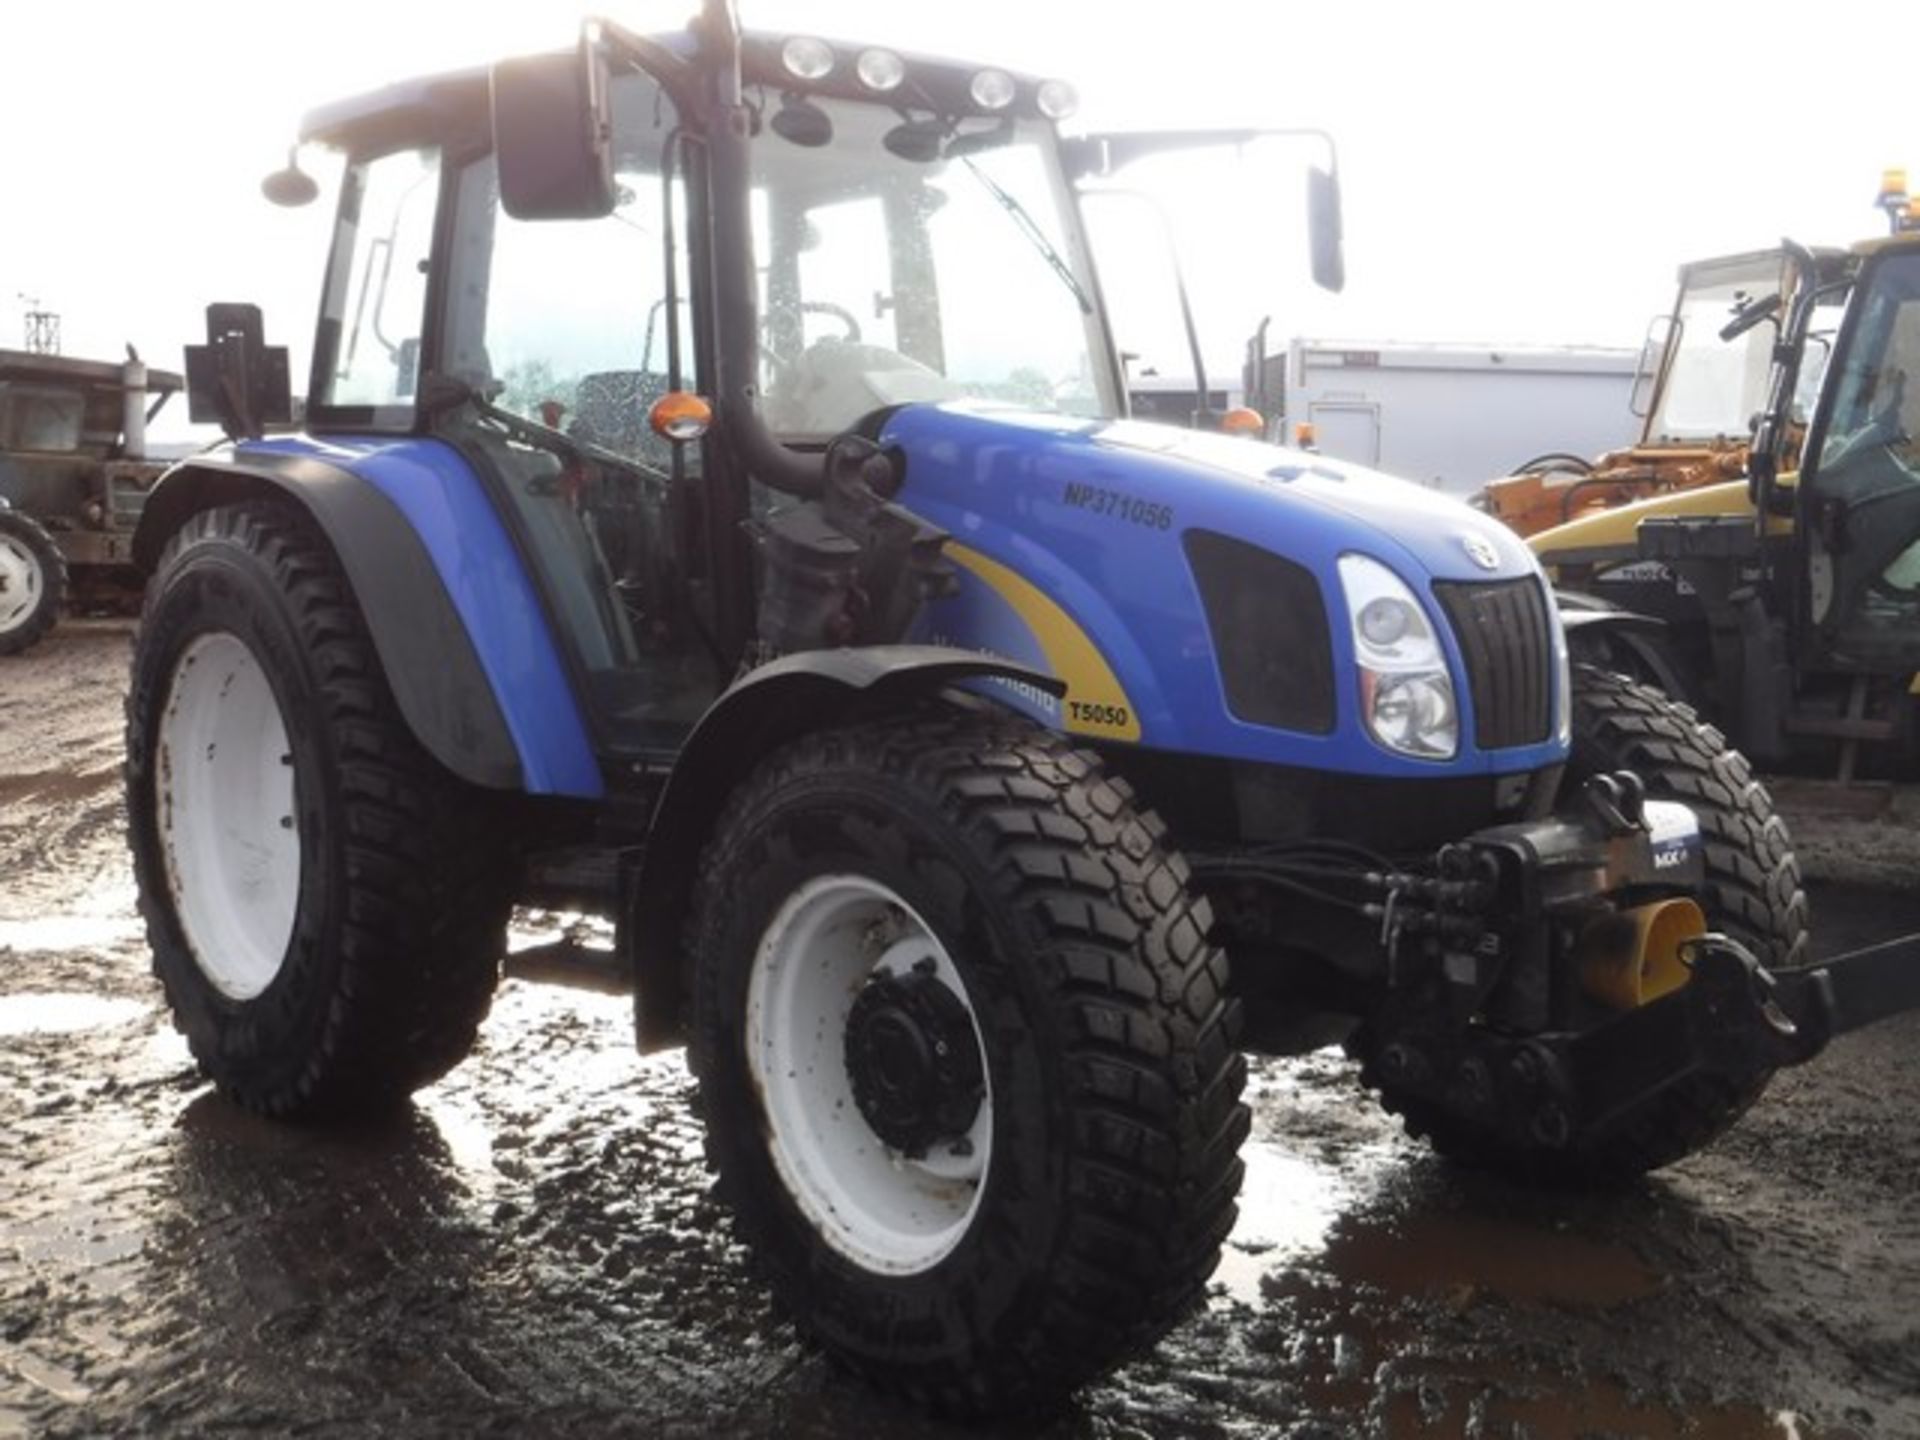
[1753,893]
[424,880]
[1139,995]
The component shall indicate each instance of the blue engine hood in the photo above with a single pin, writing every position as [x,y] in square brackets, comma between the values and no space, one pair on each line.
[1268,489]
[1077,525]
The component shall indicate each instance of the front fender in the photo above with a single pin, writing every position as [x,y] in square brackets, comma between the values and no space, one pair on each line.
[761,711]
[1587,618]
[466,696]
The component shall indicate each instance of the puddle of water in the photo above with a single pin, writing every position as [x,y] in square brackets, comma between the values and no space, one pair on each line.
[69,932]
[1429,1253]
[57,1382]
[1353,1358]
[1602,1407]
[1287,1208]
[64,1013]
[100,918]
[79,1237]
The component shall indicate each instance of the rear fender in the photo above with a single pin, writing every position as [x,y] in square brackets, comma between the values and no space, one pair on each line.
[465,689]
[778,702]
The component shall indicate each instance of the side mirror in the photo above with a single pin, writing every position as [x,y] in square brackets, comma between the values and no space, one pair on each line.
[236,379]
[553,135]
[1324,229]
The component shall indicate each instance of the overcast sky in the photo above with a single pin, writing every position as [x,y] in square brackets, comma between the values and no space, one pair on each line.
[1512,172]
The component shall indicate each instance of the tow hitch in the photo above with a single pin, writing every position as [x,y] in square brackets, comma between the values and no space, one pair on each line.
[1520,1007]
[1735,1018]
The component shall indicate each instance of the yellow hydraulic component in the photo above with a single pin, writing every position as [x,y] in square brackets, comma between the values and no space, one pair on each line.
[1632,957]
[1539,500]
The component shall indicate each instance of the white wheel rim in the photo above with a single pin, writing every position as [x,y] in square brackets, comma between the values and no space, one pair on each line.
[226,810]
[21,582]
[887,1213]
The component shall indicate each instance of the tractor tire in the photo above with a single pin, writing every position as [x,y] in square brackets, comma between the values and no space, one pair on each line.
[1752,893]
[967,1058]
[33,581]
[325,904]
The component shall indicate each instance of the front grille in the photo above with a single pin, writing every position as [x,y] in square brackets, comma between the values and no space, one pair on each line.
[1507,641]
[1269,630]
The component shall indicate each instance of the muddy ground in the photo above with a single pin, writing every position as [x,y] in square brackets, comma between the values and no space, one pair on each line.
[532,1249]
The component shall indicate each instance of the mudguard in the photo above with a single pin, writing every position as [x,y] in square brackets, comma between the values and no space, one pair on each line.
[1642,636]
[478,694]
[765,708]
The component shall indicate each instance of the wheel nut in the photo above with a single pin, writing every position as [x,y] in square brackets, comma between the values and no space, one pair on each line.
[1551,1126]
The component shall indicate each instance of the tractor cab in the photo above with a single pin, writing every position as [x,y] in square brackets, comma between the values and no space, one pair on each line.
[645,335]
[1858,497]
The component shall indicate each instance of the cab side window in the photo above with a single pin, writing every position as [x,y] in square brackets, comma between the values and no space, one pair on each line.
[377,296]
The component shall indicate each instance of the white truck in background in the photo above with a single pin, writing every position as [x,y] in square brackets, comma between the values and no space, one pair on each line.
[1451,416]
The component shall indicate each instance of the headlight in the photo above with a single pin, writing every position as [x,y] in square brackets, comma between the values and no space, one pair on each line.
[1406,693]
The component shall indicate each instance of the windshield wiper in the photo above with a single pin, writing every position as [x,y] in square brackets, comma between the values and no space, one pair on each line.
[1030,228]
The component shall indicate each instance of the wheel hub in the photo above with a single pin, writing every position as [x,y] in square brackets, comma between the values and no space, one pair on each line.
[19,582]
[224,789]
[913,1061]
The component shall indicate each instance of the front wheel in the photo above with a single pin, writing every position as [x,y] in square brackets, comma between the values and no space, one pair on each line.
[966,1057]
[33,581]
[326,907]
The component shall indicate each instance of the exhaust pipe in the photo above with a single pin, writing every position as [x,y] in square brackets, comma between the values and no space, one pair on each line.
[133,407]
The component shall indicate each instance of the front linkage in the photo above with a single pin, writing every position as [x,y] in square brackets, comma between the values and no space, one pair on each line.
[1549,979]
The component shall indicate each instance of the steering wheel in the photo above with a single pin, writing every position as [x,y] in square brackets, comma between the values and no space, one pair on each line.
[778,365]
[838,312]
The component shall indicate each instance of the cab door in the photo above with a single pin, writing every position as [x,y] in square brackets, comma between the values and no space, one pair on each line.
[566,332]
[1860,487]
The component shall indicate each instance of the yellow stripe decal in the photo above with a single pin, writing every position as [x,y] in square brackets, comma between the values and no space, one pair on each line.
[1095,703]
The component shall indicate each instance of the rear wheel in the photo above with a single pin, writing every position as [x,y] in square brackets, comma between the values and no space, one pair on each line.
[1752,893]
[33,581]
[966,1057]
[326,909]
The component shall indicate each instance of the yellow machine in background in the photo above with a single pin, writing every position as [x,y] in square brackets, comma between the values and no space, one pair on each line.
[1800,637]
[1702,379]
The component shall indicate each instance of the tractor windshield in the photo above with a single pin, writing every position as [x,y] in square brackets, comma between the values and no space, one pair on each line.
[886,279]
[1712,386]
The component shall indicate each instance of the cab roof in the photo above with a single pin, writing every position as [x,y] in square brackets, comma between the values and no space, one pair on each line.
[456,102]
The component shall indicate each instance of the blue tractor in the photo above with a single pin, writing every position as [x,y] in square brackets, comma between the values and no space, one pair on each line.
[714,502]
